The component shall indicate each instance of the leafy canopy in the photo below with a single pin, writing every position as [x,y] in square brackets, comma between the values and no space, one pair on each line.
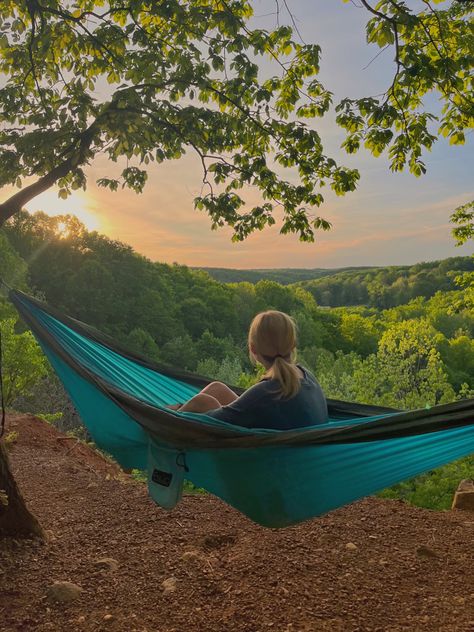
[434,54]
[145,82]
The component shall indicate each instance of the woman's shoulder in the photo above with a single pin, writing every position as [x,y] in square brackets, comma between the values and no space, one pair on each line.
[307,375]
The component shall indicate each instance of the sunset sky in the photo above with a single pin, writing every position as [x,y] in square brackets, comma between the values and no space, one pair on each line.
[391,218]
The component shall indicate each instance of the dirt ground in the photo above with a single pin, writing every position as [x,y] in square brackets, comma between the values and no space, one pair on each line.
[375,565]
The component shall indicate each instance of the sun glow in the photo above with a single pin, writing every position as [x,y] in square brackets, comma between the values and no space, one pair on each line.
[76,204]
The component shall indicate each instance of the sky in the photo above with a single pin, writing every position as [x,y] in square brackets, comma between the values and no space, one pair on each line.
[392,219]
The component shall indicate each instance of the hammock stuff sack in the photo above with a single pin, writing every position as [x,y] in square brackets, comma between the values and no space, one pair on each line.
[276,478]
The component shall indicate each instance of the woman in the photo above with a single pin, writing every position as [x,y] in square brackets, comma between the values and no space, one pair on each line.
[288,396]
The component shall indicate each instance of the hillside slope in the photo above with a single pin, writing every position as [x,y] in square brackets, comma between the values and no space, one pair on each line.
[405,569]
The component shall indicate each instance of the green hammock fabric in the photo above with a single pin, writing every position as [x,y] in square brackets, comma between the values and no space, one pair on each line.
[276,478]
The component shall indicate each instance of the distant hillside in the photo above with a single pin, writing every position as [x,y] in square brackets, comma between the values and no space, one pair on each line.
[387,287]
[381,287]
[285,276]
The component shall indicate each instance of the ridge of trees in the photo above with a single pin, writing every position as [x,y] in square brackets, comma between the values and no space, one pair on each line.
[284,276]
[374,286]
[388,286]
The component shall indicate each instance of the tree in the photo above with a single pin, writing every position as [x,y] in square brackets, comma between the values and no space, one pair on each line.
[359,333]
[15,518]
[432,55]
[180,352]
[407,371]
[13,270]
[463,217]
[139,340]
[188,76]
[181,75]
[23,366]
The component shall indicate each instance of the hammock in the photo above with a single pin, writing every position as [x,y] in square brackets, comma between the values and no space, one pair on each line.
[276,478]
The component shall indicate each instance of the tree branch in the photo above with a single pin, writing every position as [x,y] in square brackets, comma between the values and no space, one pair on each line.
[15,203]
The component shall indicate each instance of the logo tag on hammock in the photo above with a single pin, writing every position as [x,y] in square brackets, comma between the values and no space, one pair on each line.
[166,471]
[161,478]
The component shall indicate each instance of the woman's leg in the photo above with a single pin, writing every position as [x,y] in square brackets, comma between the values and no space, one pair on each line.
[221,392]
[200,403]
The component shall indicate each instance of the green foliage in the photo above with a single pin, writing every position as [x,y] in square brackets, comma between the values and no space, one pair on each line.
[463,216]
[359,333]
[51,418]
[284,276]
[142,343]
[23,364]
[180,352]
[406,372]
[144,85]
[10,439]
[388,287]
[435,489]
[227,371]
[458,357]
[433,56]
[13,270]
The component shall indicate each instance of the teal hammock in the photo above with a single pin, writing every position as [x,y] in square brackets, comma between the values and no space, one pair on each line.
[276,478]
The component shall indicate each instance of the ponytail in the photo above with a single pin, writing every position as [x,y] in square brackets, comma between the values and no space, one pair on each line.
[287,374]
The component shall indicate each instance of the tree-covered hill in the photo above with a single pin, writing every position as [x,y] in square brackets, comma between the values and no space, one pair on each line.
[373,286]
[284,276]
[390,286]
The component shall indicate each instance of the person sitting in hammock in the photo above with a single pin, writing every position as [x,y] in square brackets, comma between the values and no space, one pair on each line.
[288,396]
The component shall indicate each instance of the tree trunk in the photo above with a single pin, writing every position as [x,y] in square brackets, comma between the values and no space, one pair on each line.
[17,201]
[15,518]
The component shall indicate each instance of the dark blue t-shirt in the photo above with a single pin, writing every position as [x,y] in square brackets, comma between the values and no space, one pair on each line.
[262,407]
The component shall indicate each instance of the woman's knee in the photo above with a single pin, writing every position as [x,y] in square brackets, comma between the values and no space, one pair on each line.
[221,392]
[201,403]
[215,385]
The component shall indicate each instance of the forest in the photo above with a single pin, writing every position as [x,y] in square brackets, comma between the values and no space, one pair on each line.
[416,354]
[381,287]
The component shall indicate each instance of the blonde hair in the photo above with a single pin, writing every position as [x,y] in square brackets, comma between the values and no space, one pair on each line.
[272,335]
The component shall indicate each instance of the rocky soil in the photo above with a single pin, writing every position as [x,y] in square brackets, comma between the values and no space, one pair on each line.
[115,561]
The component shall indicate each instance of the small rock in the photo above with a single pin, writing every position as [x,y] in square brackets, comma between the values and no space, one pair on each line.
[63,592]
[466,485]
[192,556]
[81,619]
[108,617]
[464,496]
[169,585]
[107,564]
[50,537]
[350,546]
